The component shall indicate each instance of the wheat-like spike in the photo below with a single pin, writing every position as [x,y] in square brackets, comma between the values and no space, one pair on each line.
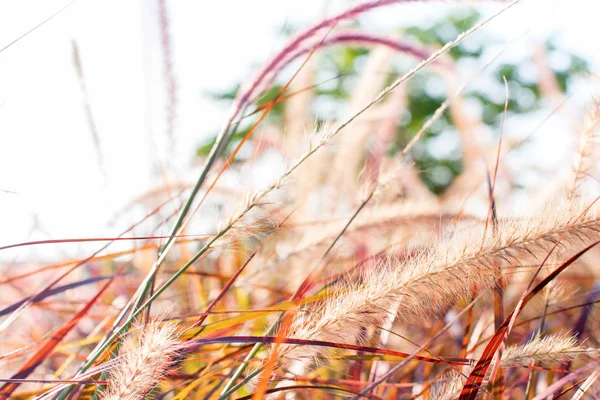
[349,160]
[424,284]
[146,355]
[449,388]
[553,348]
[586,146]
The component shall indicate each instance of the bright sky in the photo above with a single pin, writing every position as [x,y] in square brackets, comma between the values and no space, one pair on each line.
[48,164]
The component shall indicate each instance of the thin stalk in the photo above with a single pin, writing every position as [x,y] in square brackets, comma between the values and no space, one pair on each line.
[532,372]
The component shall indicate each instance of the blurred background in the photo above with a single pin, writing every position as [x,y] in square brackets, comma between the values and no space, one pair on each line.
[108,106]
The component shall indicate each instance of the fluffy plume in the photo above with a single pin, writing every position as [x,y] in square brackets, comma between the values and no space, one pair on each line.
[548,349]
[428,282]
[449,388]
[146,355]
[587,142]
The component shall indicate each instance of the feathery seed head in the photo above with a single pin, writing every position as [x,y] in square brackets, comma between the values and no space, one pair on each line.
[552,348]
[146,355]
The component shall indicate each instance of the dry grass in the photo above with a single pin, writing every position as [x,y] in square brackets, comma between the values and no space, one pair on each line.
[344,277]
[144,358]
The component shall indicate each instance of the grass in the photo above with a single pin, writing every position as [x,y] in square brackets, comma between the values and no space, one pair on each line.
[344,277]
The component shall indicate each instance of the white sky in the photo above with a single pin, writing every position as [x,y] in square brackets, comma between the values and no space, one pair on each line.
[47,158]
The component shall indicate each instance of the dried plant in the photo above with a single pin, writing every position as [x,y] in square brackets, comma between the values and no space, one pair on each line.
[348,273]
[545,350]
[144,359]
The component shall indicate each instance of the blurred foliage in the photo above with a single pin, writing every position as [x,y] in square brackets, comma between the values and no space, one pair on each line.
[435,155]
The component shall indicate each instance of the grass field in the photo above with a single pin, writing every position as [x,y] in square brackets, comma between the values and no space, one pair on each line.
[355,273]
